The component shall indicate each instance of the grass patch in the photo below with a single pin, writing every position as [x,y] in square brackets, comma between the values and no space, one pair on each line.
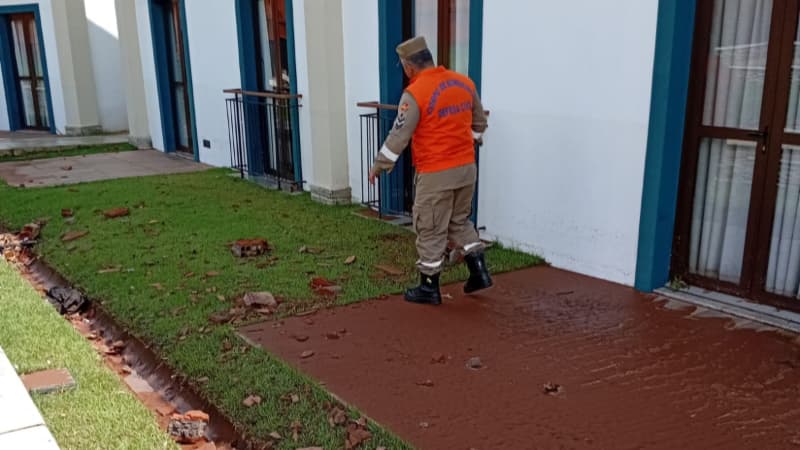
[178,231]
[100,413]
[82,150]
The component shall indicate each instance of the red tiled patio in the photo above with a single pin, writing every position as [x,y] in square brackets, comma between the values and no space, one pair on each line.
[627,370]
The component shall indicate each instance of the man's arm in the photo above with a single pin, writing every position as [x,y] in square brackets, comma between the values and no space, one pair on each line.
[403,128]
[479,122]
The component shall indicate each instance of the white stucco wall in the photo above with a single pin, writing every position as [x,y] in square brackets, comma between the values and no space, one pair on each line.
[51,55]
[304,113]
[149,74]
[362,75]
[214,53]
[4,126]
[104,41]
[568,86]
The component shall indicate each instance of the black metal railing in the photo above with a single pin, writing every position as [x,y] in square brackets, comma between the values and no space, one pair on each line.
[393,194]
[262,132]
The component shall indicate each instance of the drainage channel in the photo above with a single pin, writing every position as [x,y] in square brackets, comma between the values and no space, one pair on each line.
[154,382]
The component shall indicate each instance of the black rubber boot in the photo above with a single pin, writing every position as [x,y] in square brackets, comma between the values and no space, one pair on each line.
[479,277]
[427,293]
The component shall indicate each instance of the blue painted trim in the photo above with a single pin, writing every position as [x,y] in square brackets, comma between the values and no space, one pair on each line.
[13,102]
[189,84]
[665,142]
[158,27]
[290,49]
[247,30]
[13,98]
[475,72]
[161,59]
[390,34]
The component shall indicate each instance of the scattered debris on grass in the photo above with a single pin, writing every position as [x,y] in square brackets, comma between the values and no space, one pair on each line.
[247,248]
[260,300]
[251,400]
[311,250]
[70,236]
[116,213]
[350,260]
[357,433]
[324,287]
[48,381]
[390,270]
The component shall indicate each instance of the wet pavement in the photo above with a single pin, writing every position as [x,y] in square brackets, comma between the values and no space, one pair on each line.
[566,362]
[101,166]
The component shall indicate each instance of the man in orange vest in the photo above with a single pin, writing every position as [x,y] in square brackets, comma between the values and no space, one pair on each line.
[441,110]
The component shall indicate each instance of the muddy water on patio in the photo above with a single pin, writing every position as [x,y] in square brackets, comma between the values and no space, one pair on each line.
[566,362]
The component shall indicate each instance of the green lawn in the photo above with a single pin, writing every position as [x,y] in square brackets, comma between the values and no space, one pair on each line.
[83,150]
[100,414]
[178,232]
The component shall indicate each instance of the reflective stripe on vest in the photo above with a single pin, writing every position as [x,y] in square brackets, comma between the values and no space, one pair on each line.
[443,138]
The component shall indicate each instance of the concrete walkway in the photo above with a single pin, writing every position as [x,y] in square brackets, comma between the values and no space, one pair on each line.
[25,140]
[102,166]
[21,424]
[550,359]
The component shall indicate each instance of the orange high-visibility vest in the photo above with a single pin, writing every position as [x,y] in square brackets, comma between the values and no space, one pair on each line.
[443,138]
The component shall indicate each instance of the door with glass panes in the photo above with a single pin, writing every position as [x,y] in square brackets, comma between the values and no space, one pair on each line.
[445,24]
[29,72]
[738,227]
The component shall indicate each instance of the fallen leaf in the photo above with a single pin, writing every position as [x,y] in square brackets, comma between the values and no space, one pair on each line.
[221,298]
[153,222]
[157,286]
[251,401]
[337,416]
[67,213]
[296,428]
[73,235]
[275,435]
[295,398]
[332,336]
[116,212]
[350,260]
[307,354]
[109,270]
[212,274]
[188,275]
[356,435]
[66,168]
[424,425]
[227,346]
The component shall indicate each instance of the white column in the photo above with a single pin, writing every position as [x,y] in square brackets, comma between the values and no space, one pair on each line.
[75,64]
[138,127]
[325,100]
